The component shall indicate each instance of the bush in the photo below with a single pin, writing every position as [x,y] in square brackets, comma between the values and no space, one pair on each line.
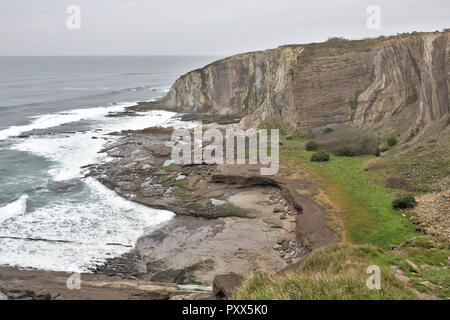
[320,156]
[344,151]
[406,202]
[336,39]
[377,152]
[360,143]
[312,146]
[392,141]
[328,130]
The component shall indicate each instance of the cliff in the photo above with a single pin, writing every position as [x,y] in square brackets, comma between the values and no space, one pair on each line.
[388,85]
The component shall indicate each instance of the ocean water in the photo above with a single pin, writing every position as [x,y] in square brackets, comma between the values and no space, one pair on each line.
[51,217]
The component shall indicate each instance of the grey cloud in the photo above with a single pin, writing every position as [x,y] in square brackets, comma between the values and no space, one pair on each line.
[139,27]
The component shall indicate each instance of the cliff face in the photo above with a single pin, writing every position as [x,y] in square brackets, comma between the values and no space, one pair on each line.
[400,84]
[238,85]
[410,92]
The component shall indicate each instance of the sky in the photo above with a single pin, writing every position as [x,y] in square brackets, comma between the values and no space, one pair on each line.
[201,27]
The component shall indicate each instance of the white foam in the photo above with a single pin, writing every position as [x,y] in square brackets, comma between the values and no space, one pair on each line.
[144,120]
[56,119]
[90,225]
[13,209]
[73,151]
[69,153]
[90,220]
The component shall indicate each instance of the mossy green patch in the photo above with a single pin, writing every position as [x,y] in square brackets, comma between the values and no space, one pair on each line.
[250,90]
[229,210]
[365,206]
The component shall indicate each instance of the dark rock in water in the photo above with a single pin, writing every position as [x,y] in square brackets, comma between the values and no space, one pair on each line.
[4,143]
[119,244]
[65,186]
[225,284]
[37,239]
[127,266]
[126,113]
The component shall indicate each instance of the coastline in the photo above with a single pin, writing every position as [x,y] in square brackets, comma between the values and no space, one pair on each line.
[261,225]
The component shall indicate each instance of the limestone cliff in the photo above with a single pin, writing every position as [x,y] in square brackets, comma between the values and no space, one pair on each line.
[398,84]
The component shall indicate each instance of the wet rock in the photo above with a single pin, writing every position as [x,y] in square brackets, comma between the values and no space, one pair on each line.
[64,186]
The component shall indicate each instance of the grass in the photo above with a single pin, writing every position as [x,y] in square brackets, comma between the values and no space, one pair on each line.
[339,272]
[365,206]
[229,210]
[354,105]
[424,167]
[250,88]
[372,227]
[180,189]
[431,256]
[316,51]
[335,273]
[357,190]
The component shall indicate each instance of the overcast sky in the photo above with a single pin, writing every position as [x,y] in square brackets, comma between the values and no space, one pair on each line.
[201,27]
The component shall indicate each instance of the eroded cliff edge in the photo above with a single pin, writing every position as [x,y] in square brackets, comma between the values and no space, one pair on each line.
[397,85]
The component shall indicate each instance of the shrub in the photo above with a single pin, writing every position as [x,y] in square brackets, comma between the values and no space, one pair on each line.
[344,151]
[406,202]
[392,141]
[359,142]
[377,152]
[336,39]
[312,146]
[320,156]
[328,130]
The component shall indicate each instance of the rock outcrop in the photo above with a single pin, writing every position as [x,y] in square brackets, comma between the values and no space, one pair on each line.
[388,85]
[225,284]
[410,92]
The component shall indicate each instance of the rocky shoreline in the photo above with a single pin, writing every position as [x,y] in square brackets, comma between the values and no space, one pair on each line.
[229,219]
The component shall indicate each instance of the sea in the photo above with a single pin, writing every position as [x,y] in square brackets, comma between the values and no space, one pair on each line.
[53,123]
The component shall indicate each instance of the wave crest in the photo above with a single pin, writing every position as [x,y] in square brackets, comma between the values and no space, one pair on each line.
[13,209]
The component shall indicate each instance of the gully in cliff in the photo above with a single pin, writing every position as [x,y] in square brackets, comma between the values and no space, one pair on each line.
[208,147]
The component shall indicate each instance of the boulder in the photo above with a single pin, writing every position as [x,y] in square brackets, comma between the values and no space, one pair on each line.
[225,284]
